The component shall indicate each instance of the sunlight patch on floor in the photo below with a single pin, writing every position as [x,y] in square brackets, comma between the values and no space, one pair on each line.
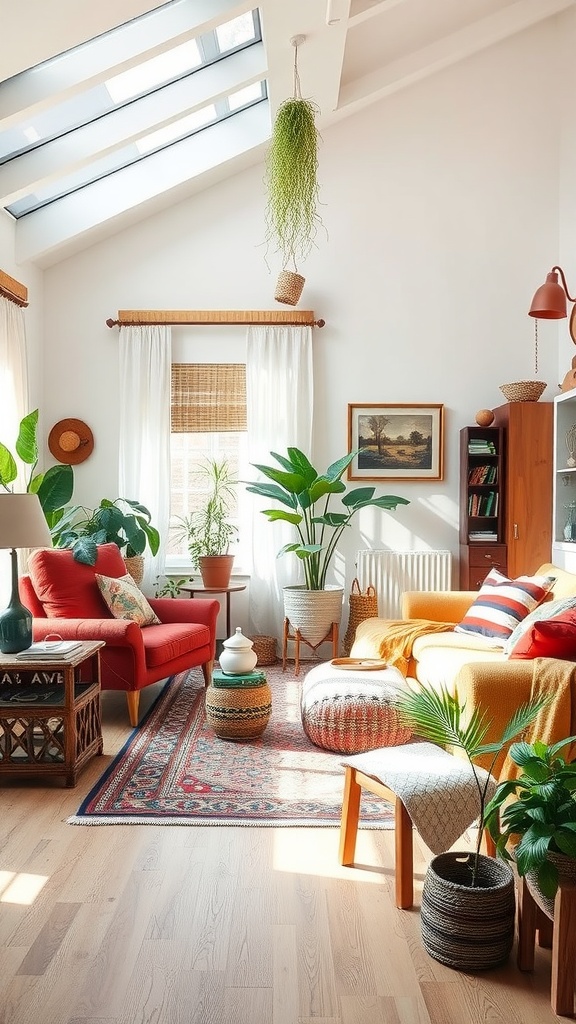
[19,887]
[314,851]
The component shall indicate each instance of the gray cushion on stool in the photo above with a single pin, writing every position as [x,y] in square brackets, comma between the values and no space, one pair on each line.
[437,789]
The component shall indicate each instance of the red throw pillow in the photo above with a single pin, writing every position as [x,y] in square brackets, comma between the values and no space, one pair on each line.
[67,589]
[549,638]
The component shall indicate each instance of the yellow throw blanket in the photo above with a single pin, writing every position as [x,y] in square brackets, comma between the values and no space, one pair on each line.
[557,721]
[391,640]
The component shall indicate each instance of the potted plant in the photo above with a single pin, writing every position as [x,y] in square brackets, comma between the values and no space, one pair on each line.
[306,495]
[123,522]
[537,829]
[208,530]
[292,218]
[468,901]
[54,487]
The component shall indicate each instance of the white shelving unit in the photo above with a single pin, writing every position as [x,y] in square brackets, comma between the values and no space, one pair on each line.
[564,485]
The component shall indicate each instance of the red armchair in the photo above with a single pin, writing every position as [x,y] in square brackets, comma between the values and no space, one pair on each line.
[64,598]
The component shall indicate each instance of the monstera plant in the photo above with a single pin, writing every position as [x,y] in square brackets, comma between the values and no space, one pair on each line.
[54,487]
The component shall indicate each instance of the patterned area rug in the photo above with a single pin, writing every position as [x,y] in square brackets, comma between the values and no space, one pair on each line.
[174,770]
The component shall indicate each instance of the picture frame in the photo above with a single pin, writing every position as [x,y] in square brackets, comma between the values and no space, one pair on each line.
[396,441]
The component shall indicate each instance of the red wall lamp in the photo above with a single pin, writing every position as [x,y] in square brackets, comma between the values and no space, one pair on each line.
[549,302]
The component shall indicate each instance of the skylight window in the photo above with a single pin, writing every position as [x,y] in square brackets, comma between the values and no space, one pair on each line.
[117,100]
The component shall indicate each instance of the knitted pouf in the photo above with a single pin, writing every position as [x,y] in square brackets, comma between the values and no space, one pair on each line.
[351,711]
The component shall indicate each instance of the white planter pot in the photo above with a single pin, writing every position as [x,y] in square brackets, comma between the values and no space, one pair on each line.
[312,612]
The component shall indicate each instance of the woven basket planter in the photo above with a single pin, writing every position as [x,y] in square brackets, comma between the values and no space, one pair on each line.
[312,612]
[135,566]
[468,929]
[289,287]
[566,867]
[265,648]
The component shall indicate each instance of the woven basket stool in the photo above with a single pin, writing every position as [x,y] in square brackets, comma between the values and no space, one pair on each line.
[430,789]
[351,711]
[240,710]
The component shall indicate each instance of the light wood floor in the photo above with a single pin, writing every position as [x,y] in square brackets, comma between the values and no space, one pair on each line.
[184,925]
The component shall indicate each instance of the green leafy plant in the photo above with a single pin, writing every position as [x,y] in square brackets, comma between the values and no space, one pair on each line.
[208,530]
[439,717]
[54,487]
[542,818]
[171,587]
[307,494]
[122,522]
[292,218]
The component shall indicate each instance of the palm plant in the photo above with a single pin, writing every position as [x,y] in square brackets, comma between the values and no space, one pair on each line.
[543,814]
[208,530]
[439,717]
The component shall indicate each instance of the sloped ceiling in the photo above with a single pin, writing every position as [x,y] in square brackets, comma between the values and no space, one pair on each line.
[355,53]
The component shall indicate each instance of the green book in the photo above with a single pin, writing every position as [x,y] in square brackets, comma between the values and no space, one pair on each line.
[223,679]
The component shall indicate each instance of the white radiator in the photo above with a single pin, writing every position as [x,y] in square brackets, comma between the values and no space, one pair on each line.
[393,572]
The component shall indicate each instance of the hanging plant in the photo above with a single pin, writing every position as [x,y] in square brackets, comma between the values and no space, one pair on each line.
[292,218]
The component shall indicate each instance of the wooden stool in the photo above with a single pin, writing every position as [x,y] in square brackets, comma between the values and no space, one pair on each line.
[331,635]
[532,919]
[354,781]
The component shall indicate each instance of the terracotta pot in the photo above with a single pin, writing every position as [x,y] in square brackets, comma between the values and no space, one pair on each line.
[216,570]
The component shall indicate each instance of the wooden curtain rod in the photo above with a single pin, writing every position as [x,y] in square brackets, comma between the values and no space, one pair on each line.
[13,290]
[206,317]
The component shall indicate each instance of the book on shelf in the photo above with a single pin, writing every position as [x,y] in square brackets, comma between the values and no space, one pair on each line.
[44,650]
[479,446]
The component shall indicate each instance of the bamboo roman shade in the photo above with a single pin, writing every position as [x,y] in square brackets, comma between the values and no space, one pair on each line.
[208,397]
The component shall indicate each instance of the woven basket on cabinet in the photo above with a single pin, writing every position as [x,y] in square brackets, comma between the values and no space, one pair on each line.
[523,390]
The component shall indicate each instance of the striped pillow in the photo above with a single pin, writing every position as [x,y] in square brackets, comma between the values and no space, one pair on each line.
[502,603]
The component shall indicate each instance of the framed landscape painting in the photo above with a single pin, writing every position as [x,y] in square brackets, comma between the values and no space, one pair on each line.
[396,442]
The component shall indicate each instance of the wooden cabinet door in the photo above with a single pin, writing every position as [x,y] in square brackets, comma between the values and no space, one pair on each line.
[528,508]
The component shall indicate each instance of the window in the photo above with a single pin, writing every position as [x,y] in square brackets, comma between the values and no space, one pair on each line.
[208,422]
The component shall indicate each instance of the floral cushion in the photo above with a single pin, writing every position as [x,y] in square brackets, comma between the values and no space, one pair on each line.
[502,603]
[125,600]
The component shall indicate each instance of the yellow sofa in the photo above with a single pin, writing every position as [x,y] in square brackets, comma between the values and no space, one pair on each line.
[480,675]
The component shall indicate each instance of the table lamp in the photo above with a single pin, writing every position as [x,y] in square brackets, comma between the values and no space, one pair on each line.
[22,525]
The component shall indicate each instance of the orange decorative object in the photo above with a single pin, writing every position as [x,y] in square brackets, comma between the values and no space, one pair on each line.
[484,417]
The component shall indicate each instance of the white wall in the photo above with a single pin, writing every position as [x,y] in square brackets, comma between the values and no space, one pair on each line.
[442,211]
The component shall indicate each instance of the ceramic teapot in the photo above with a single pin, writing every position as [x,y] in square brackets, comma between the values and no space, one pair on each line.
[238,656]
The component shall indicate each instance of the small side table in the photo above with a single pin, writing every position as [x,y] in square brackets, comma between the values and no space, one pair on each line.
[200,589]
[49,715]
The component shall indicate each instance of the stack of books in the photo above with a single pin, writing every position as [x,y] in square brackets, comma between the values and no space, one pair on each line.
[46,650]
[487,536]
[481,446]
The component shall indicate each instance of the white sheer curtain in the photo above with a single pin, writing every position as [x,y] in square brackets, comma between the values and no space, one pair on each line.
[13,405]
[13,374]
[279,401]
[144,442]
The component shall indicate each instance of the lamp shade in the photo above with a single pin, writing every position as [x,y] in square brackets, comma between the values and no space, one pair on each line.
[549,302]
[22,522]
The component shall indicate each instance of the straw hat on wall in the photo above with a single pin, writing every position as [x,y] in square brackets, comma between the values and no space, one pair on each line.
[71,441]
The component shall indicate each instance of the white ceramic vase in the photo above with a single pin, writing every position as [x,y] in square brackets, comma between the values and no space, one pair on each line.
[238,656]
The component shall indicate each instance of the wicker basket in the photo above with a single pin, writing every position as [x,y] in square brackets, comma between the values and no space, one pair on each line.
[265,648]
[362,606]
[523,390]
[289,287]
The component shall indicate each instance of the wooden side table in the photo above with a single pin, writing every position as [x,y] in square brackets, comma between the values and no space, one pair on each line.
[200,589]
[49,714]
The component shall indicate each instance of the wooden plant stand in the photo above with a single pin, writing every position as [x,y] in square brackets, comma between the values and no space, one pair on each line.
[332,635]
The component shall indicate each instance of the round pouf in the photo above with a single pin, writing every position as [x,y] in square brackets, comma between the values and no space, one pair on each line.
[351,711]
[468,929]
[239,712]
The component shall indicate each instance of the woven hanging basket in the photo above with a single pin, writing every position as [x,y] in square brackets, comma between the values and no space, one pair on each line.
[362,606]
[468,929]
[289,287]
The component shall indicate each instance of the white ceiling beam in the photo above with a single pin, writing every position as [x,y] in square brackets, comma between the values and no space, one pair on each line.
[76,214]
[447,51]
[74,150]
[116,51]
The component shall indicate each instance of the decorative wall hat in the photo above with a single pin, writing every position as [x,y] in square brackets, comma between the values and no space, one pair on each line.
[71,441]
